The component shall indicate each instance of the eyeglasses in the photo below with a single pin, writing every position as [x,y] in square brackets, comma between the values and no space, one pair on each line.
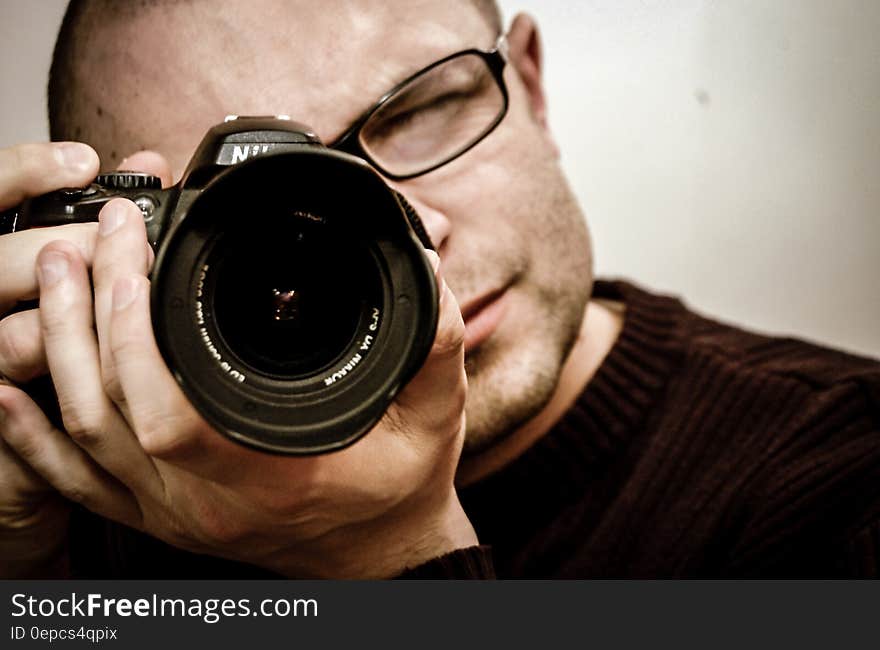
[434,116]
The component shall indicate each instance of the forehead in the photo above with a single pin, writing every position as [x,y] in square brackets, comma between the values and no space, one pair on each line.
[182,66]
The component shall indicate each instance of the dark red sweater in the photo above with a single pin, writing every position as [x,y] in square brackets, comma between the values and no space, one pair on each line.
[697,450]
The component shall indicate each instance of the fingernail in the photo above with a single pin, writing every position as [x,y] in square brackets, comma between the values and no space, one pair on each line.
[124,293]
[74,155]
[53,267]
[111,218]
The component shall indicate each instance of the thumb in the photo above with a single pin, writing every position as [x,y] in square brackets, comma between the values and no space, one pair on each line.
[437,393]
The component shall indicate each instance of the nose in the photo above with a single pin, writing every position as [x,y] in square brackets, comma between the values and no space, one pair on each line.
[435,221]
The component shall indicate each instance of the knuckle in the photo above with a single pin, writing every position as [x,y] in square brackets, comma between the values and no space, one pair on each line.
[75,493]
[164,436]
[19,347]
[448,343]
[27,446]
[449,340]
[25,440]
[13,401]
[83,424]
[113,387]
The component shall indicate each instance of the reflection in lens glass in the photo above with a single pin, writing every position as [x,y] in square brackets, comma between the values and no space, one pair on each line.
[285,304]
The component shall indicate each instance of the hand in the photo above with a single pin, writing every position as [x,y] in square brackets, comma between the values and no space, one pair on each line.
[136,451]
[33,515]
[33,518]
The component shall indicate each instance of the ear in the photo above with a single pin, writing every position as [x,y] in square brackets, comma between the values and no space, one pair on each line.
[524,43]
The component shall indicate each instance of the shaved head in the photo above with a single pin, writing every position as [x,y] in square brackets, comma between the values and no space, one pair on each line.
[70,114]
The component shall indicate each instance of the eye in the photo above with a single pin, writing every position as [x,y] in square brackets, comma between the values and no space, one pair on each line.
[434,117]
[405,119]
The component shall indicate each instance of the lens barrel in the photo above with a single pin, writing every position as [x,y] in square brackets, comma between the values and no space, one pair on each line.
[292,300]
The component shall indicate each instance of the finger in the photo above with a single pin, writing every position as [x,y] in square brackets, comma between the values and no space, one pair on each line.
[60,462]
[120,250]
[18,280]
[32,169]
[90,418]
[164,421]
[148,162]
[17,477]
[22,355]
[153,163]
[436,395]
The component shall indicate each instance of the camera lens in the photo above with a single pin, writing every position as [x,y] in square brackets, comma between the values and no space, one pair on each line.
[291,299]
[287,302]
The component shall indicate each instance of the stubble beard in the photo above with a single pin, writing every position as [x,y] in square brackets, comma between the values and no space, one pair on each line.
[514,374]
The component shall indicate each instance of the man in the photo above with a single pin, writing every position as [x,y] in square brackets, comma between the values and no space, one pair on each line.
[615,436]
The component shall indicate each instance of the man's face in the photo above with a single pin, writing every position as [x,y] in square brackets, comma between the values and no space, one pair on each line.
[513,243]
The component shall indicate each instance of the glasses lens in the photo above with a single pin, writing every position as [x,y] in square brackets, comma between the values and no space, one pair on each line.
[435,117]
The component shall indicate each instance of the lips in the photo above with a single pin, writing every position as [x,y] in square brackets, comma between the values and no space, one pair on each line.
[482,317]
[474,306]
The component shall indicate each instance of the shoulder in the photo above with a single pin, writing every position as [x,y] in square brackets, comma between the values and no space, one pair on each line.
[792,427]
[814,366]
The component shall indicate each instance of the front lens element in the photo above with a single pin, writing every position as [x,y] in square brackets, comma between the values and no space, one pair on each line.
[287,303]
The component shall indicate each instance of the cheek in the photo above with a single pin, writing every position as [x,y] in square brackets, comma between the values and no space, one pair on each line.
[488,183]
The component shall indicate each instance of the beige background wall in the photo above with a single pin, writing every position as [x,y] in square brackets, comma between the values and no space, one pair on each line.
[725,151]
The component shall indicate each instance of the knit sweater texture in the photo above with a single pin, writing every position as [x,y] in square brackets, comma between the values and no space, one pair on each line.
[697,450]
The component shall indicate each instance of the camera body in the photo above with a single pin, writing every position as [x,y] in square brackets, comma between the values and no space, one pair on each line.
[291,297]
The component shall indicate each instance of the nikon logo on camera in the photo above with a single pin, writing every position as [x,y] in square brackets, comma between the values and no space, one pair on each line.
[232,154]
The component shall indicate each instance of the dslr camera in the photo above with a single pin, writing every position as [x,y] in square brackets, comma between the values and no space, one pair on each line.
[291,297]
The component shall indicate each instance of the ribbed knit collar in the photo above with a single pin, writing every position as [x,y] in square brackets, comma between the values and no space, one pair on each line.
[605,418]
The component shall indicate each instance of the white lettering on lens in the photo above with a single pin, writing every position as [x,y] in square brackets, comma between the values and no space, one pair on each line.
[365,345]
[347,368]
[234,374]
[200,315]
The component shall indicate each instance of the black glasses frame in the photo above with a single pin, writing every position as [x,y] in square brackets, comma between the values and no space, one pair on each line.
[496,59]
